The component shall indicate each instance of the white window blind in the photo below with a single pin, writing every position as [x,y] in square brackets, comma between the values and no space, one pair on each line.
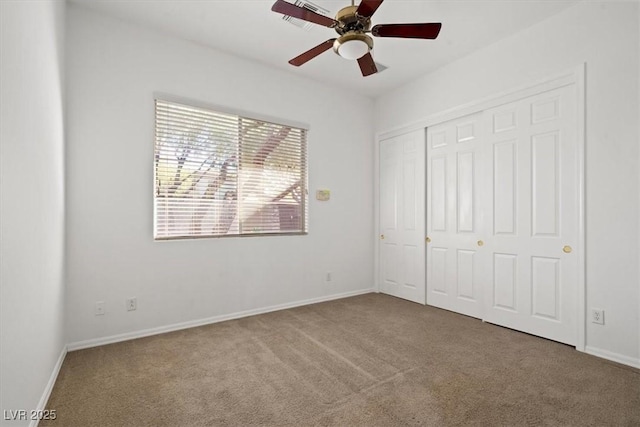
[219,174]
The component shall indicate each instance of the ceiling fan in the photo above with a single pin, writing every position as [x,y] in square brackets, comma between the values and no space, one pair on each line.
[352,23]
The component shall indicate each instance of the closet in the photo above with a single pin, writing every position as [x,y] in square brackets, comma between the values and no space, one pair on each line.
[501,214]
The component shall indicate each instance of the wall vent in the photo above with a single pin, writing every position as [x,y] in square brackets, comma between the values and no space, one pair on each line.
[381,67]
[307,5]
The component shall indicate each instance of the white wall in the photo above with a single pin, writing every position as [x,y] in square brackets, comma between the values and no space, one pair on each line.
[605,36]
[113,70]
[32,199]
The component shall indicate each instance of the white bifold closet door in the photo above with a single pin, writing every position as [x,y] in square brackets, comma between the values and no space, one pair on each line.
[454,219]
[531,284]
[502,215]
[401,260]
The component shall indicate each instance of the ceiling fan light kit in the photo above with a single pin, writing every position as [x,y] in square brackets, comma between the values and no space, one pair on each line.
[353,45]
[353,23]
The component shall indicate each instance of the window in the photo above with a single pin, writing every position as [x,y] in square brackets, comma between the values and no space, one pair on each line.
[220,174]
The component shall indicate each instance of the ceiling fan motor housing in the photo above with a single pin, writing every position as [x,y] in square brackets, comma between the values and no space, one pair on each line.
[349,20]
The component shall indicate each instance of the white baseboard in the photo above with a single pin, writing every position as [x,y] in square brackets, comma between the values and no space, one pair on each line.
[615,357]
[79,345]
[52,380]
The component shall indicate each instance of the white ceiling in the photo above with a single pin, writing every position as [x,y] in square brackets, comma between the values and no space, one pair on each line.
[249,29]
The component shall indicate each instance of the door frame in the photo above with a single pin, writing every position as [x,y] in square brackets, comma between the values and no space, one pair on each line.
[574,76]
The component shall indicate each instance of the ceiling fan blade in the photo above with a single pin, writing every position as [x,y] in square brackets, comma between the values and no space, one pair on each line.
[408,31]
[312,53]
[368,7]
[286,8]
[367,66]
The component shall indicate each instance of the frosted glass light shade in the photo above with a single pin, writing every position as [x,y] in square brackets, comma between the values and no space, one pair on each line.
[353,49]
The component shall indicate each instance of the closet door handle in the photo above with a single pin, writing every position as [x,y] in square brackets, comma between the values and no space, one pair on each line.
[427,239]
[480,243]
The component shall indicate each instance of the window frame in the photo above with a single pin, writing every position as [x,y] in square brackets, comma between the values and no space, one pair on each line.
[164,97]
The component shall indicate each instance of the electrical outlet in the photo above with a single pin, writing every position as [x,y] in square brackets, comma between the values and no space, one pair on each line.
[597,316]
[100,307]
[329,276]
[132,304]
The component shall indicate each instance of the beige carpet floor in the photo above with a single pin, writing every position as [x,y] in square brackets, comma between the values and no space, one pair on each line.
[371,360]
